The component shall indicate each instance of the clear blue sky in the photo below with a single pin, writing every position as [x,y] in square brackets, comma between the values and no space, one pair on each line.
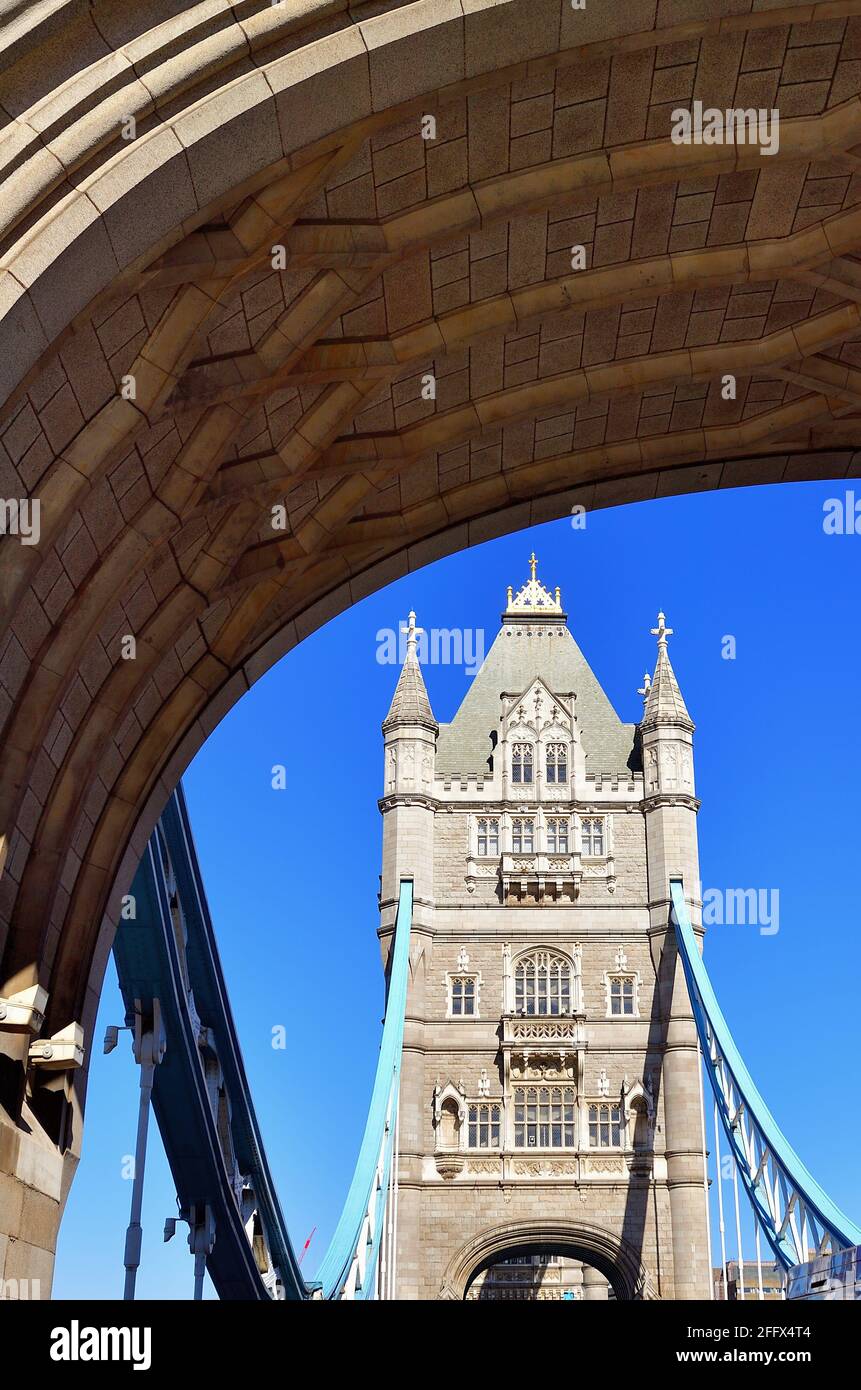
[292,875]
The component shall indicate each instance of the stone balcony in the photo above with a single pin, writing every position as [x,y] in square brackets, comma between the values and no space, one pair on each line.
[541,876]
[531,1032]
[544,1047]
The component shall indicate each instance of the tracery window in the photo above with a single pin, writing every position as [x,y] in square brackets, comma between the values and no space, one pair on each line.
[488,835]
[557,762]
[544,1117]
[592,836]
[557,835]
[484,1126]
[623,996]
[522,763]
[463,996]
[542,984]
[605,1126]
[522,835]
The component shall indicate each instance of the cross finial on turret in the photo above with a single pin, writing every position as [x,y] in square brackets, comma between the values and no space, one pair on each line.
[532,565]
[662,632]
[647,685]
[413,632]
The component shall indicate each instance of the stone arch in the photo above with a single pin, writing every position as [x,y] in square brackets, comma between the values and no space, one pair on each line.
[612,1255]
[149,258]
[524,953]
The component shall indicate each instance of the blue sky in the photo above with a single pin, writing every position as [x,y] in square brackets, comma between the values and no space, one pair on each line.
[292,875]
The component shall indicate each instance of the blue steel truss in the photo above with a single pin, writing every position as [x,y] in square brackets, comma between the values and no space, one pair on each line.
[169,952]
[350,1267]
[792,1210]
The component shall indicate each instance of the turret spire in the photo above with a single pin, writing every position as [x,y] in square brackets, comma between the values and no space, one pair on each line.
[410,702]
[664,702]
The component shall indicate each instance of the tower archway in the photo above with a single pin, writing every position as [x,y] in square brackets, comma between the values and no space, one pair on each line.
[610,1254]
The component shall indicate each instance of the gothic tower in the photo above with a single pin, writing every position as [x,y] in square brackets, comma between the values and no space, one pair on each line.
[550,1094]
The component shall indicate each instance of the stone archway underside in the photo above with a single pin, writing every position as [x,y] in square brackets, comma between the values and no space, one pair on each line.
[611,1255]
[298,125]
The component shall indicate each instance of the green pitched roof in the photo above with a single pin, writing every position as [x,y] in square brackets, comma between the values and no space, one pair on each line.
[522,651]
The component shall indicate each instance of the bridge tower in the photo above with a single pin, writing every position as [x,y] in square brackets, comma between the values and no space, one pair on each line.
[549,1096]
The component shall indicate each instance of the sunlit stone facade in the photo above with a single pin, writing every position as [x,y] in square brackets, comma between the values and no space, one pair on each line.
[550,1097]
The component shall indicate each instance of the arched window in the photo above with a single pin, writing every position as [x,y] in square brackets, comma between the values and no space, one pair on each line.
[484,1126]
[557,835]
[488,835]
[592,836]
[544,1117]
[605,1126]
[522,835]
[557,762]
[463,992]
[522,763]
[622,987]
[623,993]
[542,984]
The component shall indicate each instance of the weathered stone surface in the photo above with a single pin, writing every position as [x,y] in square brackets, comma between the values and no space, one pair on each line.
[240,305]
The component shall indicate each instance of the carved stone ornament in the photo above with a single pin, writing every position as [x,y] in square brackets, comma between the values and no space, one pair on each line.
[545,1168]
[449,1166]
[606,1165]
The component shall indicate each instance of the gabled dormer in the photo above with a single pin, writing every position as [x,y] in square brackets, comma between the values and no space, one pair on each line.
[542,757]
[534,657]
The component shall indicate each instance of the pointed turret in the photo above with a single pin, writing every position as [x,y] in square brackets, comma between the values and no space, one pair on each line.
[408,807]
[410,735]
[410,703]
[664,702]
[670,807]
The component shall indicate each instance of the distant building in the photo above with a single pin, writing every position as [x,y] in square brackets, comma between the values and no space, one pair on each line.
[540,1278]
[773,1281]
